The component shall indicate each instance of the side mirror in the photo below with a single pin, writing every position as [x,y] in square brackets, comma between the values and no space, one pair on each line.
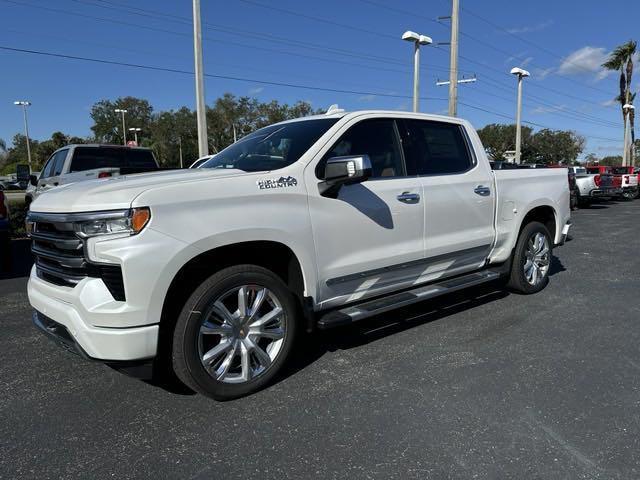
[33,180]
[344,171]
[22,173]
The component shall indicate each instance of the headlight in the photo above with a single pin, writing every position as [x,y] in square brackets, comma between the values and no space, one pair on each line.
[130,222]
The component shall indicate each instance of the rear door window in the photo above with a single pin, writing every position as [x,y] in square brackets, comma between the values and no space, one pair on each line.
[139,159]
[88,158]
[435,148]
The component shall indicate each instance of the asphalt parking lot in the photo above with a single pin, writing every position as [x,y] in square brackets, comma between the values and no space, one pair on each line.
[480,384]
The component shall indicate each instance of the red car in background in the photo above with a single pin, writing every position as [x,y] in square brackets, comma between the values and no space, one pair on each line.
[630,180]
[604,170]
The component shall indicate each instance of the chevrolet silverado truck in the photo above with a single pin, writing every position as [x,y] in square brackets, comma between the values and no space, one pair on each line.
[307,224]
[78,163]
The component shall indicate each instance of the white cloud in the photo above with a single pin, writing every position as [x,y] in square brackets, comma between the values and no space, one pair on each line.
[531,28]
[255,90]
[545,109]
[519,60]
[367,98]
[541,74]
[586,60]
[609,103]
[526,61]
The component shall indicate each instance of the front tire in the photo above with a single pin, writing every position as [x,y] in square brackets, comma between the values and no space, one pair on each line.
[531,259]
[235,332]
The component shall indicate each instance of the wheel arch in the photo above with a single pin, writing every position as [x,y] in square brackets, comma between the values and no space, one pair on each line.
[273,255]
[544,214]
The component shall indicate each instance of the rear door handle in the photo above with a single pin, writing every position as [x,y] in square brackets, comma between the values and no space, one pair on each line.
[407,197]
[482,191]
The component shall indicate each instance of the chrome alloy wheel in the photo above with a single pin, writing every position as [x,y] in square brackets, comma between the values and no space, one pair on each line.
[241,334]
[537,258]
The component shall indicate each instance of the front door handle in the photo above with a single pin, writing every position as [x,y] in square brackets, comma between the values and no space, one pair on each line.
[482,191]
[407,197]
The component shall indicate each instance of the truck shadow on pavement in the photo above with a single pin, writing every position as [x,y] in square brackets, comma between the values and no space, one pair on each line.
[315,345]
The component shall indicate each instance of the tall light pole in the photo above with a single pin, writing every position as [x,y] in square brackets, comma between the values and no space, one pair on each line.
[124,128]
[417,40]
[135,131]
[627,108]
[520,73]
[24,104]
[453,67]
[203,145]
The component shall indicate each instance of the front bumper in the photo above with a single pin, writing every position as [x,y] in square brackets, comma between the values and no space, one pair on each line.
[69,310]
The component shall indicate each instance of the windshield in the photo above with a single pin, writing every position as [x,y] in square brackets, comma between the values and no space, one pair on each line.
[273,147]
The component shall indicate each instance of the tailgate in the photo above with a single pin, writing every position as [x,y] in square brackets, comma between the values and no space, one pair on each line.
[629,180]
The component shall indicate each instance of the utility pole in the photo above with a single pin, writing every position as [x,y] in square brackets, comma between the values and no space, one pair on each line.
[473,79]
[520,73]
[453,72]
[24,104]
[627,155]
[180,150]
[203,146]
[124,128]
[417,40]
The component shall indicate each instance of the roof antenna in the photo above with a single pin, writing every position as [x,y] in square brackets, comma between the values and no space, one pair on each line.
[334,109]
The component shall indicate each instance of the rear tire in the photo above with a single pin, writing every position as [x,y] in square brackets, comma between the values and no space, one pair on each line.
[235,332]
[531,261]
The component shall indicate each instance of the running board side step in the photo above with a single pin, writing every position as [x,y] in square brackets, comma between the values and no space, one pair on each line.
[354,313]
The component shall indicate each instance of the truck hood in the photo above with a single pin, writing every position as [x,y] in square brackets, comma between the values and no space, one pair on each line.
[118,192]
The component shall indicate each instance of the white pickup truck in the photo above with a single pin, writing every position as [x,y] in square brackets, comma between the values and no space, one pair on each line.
[78,163]
[310,223]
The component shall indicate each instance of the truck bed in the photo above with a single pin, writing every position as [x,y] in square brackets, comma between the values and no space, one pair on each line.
[520,191]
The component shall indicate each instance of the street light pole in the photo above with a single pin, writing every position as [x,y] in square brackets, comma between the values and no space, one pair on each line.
[124,128]
[203,145]
[453,69]
[625,153]
[24,104]
[520,73]
[417,40]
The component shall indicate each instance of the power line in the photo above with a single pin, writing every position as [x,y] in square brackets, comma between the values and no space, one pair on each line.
[529,42]
[486,109]
[121,48]
[223,77]
[476,39]
[318,19]
[227,42]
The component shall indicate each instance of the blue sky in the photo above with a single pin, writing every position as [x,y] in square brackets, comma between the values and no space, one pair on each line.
[351,45]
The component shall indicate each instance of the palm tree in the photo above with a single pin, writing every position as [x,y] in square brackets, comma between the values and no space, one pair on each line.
[622,59]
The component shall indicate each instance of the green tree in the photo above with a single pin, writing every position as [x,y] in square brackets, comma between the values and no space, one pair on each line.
[613,160]
[107,124]
[171,130]
[622,59]
[498,139]
[591,158]
[556,146]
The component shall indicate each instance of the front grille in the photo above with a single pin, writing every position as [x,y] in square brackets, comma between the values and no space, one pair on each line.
[60,258]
